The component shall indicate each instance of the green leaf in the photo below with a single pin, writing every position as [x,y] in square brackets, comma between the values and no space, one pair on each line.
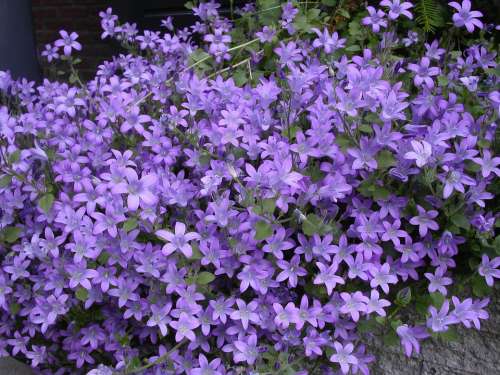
[5,181]
[403,297]
[366,128]
[130,224]
[437,299]
[353,48]
[205,278]
[14,308]
[460,220]
[82,294]
[385,159]
[103,257]
[314,225]
[329,3]
[269,11]
[240,77]
[46,202]
[449,335]
[443,81]
[269,205]
[263,230]
[429,15]
[344,13]
[134,363]
[479,287]
[367,326]
[14,157]
[197,255]
[10,234]
[380,193]
[391,338]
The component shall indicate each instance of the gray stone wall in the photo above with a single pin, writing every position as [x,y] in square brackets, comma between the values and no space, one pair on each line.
[474,353]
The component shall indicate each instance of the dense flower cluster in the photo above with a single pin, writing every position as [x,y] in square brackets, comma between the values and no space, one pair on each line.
[211,226]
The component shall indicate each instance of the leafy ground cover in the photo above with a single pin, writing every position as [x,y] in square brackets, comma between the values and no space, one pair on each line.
[254,194]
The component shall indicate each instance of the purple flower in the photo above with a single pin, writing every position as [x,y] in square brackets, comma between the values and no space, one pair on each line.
[137,190]
[422,152]
[178,241]
[383,276]
[376,304]
[354,304]
[393,233]
[424,73]
[488,164]
[68,42]
[285,315]
[439,321]
[222,308]
[437,281]
[328,277]
[245,313]
[277,243]
[291,270]
[396,8]
[489,269]
[465,16]
[266,35]
[50,52]
[343,356]
[288,54]
[424,220]
[79,274]
[375,18]
[328,42]
[159,318]
[455,179]
[184,327]
[247,350]
[206,368]
[410,337]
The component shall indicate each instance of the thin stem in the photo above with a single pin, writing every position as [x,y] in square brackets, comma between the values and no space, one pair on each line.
[159,360]
[195,64]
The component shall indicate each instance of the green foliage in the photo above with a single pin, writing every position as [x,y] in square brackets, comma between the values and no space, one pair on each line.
[429,15]
[263,230]
[10,234]
[46,202]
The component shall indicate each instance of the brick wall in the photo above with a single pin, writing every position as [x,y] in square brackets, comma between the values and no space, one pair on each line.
[81,16]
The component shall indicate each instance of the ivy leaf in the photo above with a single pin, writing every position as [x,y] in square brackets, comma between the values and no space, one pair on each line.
[197,255]
[385,159]
[240,77]
[437,299]
[263,230]
[46,202]
[449,335]
[82,294]
[391,338]
[205,278]
[269,205]
[10,234]
[5,181]
[14,308]
[403,297]
[130,224]
[460,220]
[314,225]
[14,157]
[479,287]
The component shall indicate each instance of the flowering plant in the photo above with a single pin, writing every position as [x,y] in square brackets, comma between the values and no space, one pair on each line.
[257,202]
